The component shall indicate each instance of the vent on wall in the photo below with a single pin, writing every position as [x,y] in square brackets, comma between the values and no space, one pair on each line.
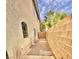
[24,29]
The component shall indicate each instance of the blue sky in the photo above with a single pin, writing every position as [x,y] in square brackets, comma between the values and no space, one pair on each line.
[54,5]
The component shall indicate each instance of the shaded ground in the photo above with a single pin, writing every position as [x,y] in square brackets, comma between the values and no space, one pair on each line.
[40,48]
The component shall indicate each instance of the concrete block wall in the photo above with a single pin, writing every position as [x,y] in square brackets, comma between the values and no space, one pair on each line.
[60,39]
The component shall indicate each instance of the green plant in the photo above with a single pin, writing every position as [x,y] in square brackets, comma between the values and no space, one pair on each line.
[52,19]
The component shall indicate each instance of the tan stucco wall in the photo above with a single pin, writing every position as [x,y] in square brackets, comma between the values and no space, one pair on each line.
[18,11]
[60,39]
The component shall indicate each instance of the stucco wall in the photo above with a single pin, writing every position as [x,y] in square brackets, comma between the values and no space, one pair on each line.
[18,11]
[60,39]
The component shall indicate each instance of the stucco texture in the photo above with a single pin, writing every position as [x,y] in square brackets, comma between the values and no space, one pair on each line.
[19,11]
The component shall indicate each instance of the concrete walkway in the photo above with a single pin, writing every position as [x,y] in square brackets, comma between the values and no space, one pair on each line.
[40,50]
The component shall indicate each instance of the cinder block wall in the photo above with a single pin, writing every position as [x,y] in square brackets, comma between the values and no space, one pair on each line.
[60,39]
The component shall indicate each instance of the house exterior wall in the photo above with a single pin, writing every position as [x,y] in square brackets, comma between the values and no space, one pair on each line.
[60,39]
[20,11]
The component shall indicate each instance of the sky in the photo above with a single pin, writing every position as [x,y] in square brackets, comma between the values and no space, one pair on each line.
[45,6]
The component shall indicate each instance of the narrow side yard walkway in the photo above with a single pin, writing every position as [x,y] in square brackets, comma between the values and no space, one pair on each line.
[40,50]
